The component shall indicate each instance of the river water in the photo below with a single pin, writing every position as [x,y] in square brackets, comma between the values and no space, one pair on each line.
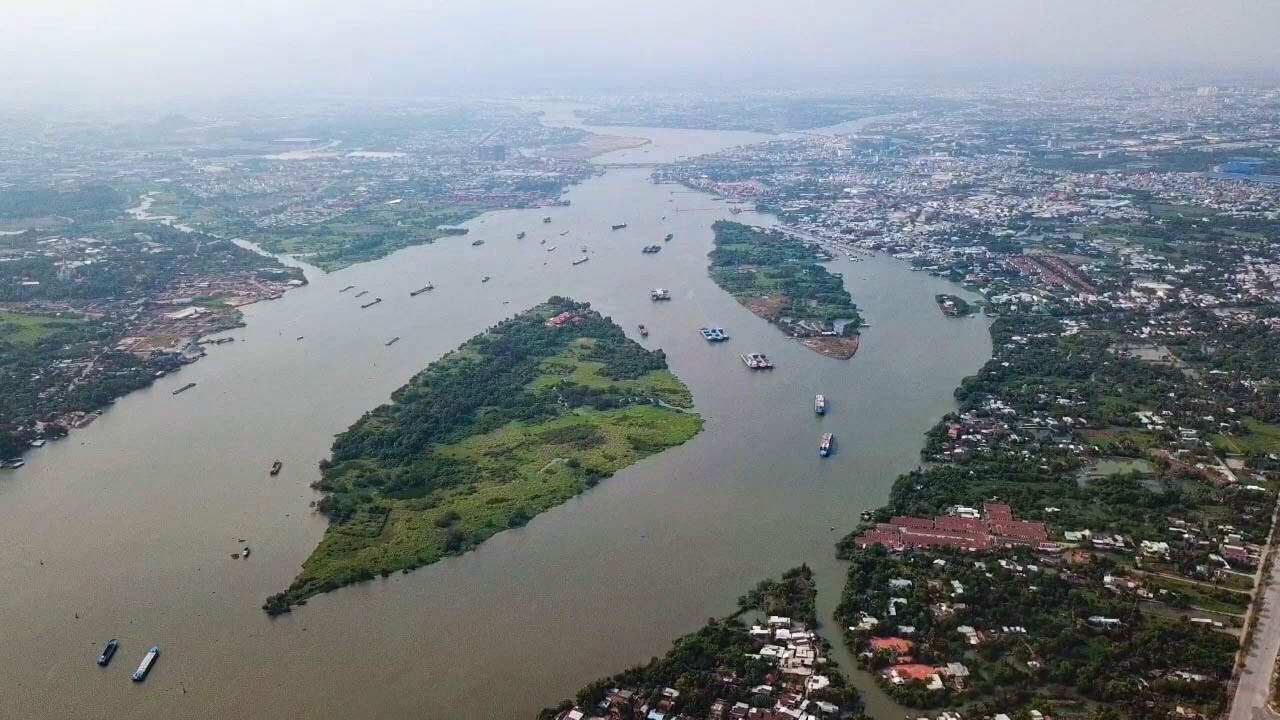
[125,529]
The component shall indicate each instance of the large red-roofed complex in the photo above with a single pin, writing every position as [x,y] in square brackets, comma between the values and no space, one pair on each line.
[995,528]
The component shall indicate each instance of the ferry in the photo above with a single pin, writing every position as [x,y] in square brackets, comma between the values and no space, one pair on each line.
[657,294]
[668,237]
[108,652]
[184,388]
[346,288]
[362,293]
[275,467]
[757,361]
[820,404]
[392,341]
[520,235]
[824,445]
[477,242]
[375,301]
[714,334]
[419,291]
[581,260]
[144,667]
[619,226]
[644,332]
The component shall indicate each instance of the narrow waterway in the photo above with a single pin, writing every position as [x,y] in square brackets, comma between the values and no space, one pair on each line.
[125,529]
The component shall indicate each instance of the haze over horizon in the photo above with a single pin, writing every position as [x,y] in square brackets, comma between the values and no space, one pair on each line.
[174,51]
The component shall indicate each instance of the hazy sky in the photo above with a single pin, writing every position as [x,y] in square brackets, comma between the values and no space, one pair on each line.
[171,47]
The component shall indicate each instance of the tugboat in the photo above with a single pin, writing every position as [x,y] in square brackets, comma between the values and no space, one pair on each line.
[644,332]
[275,467]
[108,652]
[824,445]
[144,667]
[820,404]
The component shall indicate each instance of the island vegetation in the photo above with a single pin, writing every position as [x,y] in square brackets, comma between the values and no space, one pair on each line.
[776,663]
[517,420]
[779,279]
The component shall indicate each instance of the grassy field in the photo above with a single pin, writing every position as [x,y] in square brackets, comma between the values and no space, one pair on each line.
[30,329]
[1261,439]
[573,406]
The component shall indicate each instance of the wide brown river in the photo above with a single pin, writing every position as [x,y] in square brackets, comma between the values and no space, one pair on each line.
[126,528]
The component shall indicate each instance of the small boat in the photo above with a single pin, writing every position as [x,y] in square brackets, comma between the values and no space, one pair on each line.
[520,235]
[566,232]
[370,304]
[668,237]
[824,445]
[362,293]
[546,219]
[300,337]
[275,467]
[144,667]
[553,247]
[245,552]
[184,388]
[657,294]
[419,291]
[108,652]
[484,279]
[477,242]
[392,341]
[543,241]
[619,226]
[346,288]
[581,260]
[644,332]
[820,404]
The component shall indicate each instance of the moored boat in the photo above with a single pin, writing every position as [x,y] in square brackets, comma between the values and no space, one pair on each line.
[108,652]
[644,332]
[144,667]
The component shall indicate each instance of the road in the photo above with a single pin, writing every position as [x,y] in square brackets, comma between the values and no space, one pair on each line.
[1250,699]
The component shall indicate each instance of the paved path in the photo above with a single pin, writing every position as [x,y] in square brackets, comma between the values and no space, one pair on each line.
[1250,702]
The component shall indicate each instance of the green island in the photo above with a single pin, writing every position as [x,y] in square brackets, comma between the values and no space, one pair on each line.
[728,666]
[779,279]
[520,418]
[369,233]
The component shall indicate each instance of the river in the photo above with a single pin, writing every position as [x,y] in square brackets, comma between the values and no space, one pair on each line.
[126,528]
